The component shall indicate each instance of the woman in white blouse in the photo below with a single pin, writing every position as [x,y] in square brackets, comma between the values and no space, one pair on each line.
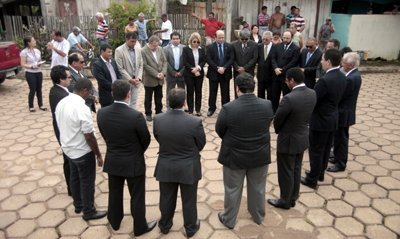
[194,59]
[30,59]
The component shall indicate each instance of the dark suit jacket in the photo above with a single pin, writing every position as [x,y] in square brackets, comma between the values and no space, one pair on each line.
[329,89]
[56,94]
[181,138]
[74,79]
[285,60]
[248,59]
[243,126]
[169,56]
[213,61]
[348,103]
[125,132]
[310,68]
[188,61]
[103,77]
[259,38]
[264,70]
[291,120]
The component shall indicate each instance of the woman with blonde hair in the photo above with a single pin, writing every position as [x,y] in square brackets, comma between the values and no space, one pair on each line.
[194,58]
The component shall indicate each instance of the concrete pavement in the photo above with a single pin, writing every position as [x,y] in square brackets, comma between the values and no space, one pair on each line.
[362,202]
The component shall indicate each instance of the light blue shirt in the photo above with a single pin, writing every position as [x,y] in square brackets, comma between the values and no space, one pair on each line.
[133,58]
[72,39]
[142,29]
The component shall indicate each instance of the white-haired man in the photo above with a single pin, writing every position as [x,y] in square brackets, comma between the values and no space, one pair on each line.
[141,22]
[102,30]
[347,111]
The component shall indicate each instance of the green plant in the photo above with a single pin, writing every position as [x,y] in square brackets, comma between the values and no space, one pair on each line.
[119,14]
[42,38]
[19,42]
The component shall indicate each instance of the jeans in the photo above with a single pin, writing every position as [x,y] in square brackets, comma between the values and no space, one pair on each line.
[165,43]
[35,86]
[83,175]
[101,42]
[142,43]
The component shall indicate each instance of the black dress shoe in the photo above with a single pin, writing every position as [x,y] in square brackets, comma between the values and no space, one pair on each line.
[332,160]
[220,219]
[276,203]
[331,156]
[335,169]
[150,226]
[78,210]
[197,226]
[96,215]
[210,113]
[304,181]
[148,118]
[321,179]
[293,204]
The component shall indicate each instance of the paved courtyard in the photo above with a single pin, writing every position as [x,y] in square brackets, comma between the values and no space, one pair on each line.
[362,202]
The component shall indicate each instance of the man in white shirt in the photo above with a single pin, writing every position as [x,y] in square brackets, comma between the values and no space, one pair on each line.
[166,30]
[59,48]
[78,142]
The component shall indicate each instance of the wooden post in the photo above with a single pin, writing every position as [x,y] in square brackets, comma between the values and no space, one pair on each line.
[208,7]
[228,23]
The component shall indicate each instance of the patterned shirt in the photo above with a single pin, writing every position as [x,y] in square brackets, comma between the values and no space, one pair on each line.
[325,32]
[263,17]
[299,21]
[102,29]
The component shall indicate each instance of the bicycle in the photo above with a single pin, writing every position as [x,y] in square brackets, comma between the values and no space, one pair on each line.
[90,59]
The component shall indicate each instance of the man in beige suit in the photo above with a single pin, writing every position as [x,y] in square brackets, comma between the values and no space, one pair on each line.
[130,64]
[155,69]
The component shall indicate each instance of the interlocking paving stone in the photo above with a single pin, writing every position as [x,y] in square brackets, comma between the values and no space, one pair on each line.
[346,184]
[320,218]
[44,233]
[349,226]
[373,191]
[339,208]
[362,177]
[73,227]
[6,219]
[368,215]
[388,183]
[329,233]
[393,223]
[379,231]
[96,232]
[21,228]
[311,200]
[376,170]
[386,206]
[357,199]
[329,192]
[32,211]
[14,203]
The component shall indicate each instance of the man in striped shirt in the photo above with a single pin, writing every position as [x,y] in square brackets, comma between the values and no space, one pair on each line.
[263,20]
[102,30]
[298,20]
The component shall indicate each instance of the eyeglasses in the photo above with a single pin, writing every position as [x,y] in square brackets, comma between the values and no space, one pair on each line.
[244,39]
[309,46]
[197,42]
[81,62]
[265,39]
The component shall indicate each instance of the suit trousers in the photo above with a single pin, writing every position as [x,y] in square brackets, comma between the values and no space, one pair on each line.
[319,149]
[137,191]
[157,99]
[83,175]
[67,171]
[168,195]
[289,172]
[278,85]
[341,147]
[263,86]
[172,84]
[233,183]
[134,96]
[194,86]
[225,98]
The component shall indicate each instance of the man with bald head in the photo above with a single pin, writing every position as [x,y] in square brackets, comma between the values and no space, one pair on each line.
[310,58]
[220,57]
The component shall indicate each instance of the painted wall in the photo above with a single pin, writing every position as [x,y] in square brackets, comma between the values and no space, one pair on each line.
[342,26]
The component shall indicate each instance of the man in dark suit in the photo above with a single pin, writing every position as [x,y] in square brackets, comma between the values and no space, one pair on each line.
[127,138]
[246,54]
[243,125]
[324,119]
[175,67]
[264,70]
[181,138]
[347,111]
[310,58]
[61,79]
[285,57]
[76,63]
[291,125]
[220,56]
[106,71]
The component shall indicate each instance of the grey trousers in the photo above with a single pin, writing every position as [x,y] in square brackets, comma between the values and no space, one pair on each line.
[233,182]
[134,95]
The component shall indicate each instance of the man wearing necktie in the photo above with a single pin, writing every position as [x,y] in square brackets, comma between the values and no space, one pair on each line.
[175,67]
[264,70]
[220,57]
[285,57]
[246,54]
[310,58]
[76,63]
[130,64]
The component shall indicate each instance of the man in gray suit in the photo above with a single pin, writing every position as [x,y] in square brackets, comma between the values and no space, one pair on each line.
[175,67]
[154,71]
[76,63]
[291,125]
[246,54]
[181,138]
[243,126]
[130,64]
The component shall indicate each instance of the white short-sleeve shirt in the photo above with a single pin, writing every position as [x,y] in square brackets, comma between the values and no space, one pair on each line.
[166,25]
[56,59]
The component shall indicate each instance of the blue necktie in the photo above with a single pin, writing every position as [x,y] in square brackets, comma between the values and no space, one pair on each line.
[308,57]
[176,57]
[221,56]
